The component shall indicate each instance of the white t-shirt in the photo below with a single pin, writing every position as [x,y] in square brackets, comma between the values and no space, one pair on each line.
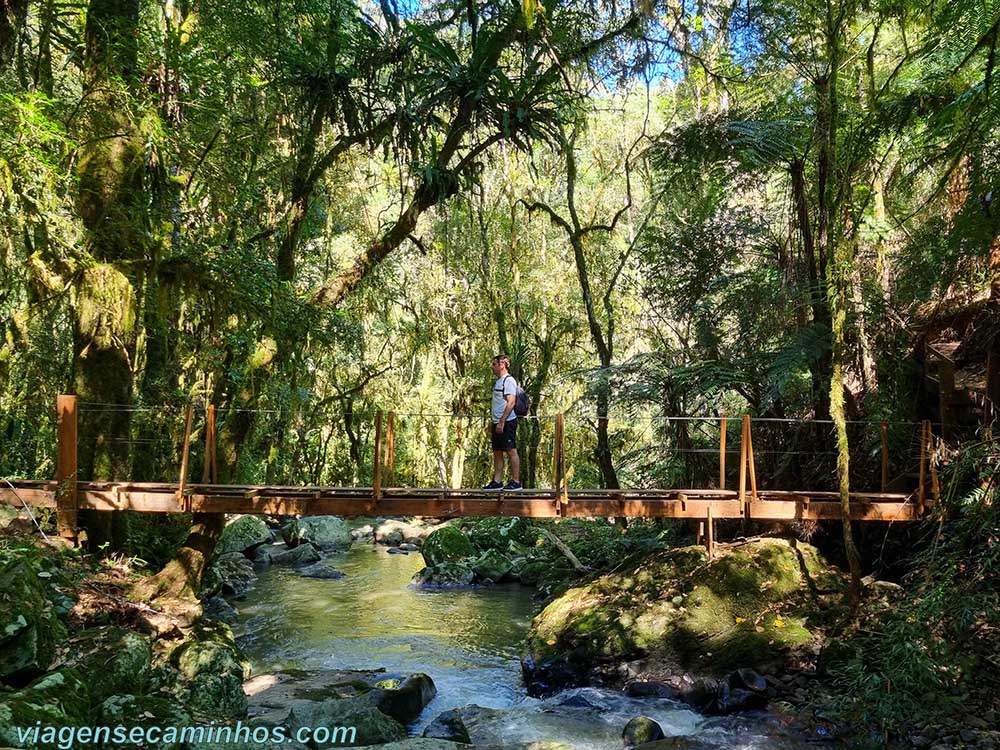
[505,386]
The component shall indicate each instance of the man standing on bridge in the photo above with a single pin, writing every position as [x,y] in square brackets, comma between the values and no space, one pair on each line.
[503,427]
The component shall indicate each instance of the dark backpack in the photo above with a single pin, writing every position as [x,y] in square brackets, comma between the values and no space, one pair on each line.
[522,401]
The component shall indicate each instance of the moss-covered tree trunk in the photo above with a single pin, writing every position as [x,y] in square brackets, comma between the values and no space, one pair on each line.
[839,253]
[12,16]
[110,204]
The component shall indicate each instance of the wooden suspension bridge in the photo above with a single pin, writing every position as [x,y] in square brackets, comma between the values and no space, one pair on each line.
[67,496]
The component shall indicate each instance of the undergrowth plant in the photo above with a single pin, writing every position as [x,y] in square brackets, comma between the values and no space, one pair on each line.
[933,652]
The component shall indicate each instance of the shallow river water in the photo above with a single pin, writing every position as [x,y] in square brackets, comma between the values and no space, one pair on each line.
[468,641]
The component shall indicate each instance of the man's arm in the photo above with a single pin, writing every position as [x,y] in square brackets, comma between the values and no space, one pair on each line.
[506,412]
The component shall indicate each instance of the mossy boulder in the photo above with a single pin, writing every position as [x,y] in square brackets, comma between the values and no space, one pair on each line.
[231,574]
[404,699]
[530,571]
[120,659]
[498,532]
[323,532]
[447,544]
[302,555]
[143,711]
[444,575]
[641,729]
[243,535]
[29,620]
[214,667]
[750,607]
[58,699]
[374,703]
[491,566]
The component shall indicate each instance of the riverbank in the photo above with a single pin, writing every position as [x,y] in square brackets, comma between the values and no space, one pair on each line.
[697,647]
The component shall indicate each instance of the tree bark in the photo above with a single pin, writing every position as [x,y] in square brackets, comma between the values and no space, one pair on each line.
[12,16]
[839,252]
[110,204]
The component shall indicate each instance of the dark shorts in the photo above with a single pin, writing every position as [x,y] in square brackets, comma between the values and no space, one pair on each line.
[507,440]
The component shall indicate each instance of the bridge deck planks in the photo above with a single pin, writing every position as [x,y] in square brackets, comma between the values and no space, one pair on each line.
[160,497]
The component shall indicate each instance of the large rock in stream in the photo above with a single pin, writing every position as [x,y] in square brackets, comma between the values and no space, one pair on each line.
[447,544]
[243,535]
[322,532]
[231,574]
[750,607]
[376,704]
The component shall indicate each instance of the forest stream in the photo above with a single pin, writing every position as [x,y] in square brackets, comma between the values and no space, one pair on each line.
[469,641]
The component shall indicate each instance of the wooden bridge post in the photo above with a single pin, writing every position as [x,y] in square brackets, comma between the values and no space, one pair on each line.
[390,449]
[884,430]
[185,453]
[743,457]
[559,464]
[932,466]
[924,429]
[722,454]
[210,471]
[67,500]
[377,468]
[751,462]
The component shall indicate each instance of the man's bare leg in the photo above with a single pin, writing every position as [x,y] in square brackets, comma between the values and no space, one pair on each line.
[515,465]
[497,465]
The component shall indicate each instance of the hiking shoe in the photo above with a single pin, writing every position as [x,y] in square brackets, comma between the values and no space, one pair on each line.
[494,485]
[512,486]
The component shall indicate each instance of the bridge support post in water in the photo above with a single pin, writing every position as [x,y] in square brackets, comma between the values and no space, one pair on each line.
[67,501]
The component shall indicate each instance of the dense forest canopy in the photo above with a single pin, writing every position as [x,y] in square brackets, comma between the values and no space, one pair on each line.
[305,211]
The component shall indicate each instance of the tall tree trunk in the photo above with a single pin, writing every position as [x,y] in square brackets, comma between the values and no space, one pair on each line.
[111,170]
[12,16]
[838,251]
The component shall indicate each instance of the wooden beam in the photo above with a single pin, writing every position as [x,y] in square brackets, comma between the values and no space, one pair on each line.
[932,465]
[67,499]
[745,429]
[447,503]
[377,468]
[185,452]
[210,472]
[390,450]
[924,428]
[884,434]
[751,463]
[722,454]
[562,487]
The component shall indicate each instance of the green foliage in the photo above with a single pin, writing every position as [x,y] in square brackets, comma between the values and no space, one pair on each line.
[924,655]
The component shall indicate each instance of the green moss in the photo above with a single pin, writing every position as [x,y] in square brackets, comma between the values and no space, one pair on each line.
[447,544]
[748,607]
[105,306]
